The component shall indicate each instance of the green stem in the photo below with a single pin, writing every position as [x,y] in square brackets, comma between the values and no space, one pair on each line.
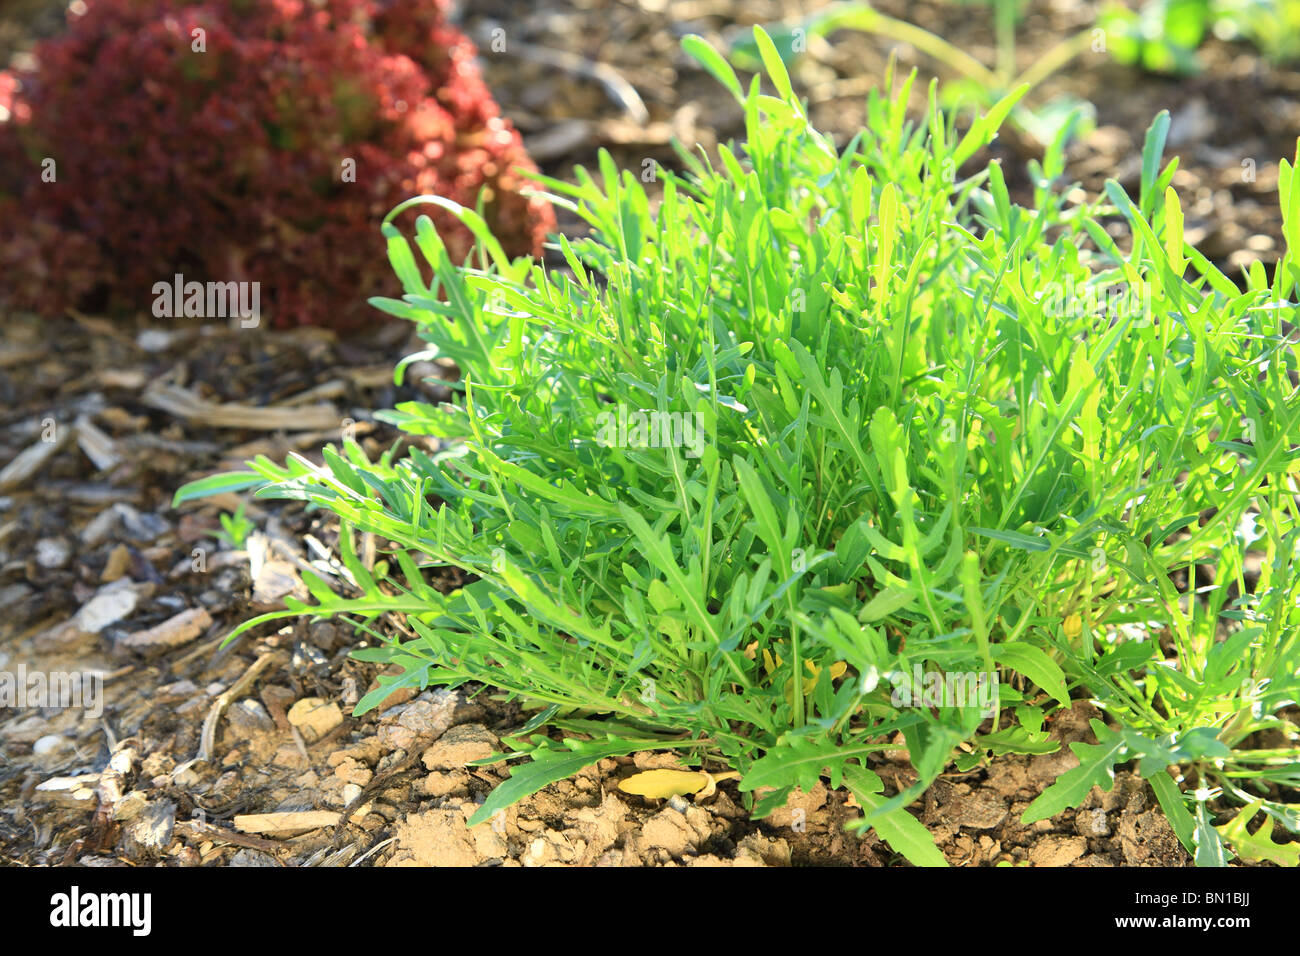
[870,21]
[1051,61]
[1005,25]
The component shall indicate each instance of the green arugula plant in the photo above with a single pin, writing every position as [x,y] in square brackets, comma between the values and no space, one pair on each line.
[1163,36]
[235,529]
[791,465]
[1271,25]
[973,81]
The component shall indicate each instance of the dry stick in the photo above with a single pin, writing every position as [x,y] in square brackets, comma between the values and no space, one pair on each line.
[210,831]
[237,689]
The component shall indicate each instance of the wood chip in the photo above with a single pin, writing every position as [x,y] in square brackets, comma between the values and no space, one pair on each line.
[118,563]
[185,404]
[11,355]
[87,493]
[129,379]
[31,460]
[278,447]
[174,632]
[370,376]
[147,442]
[99,448]
[151,831]
[275,581]
[110,604]
[112,784]
[277,699]
[71,792]
[288,823]
[229,501]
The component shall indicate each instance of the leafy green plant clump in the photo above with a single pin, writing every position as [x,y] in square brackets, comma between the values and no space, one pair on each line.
[827,446]
[1163,36]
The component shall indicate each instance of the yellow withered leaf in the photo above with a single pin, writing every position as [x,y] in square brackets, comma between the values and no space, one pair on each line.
[714,780]
[838,669]
[771,663]
[662,784]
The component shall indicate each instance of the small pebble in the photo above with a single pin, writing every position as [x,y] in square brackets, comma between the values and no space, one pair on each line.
[48,744]
[52,553]
[154,340]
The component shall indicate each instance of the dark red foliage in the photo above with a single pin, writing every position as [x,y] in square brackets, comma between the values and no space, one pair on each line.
[228,164]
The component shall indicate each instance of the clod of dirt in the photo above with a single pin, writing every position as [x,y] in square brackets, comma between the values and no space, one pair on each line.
[455,783]
[799,806]
[759,850]
[674,832]
[315,717]
[460,745]
[553,848]
[1092,823]
[959,805]
[443,838]
[1147,840]
[600,827]
[1057,851]
[423,719]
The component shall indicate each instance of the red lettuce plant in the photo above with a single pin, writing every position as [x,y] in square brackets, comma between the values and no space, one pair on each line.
[246,140]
